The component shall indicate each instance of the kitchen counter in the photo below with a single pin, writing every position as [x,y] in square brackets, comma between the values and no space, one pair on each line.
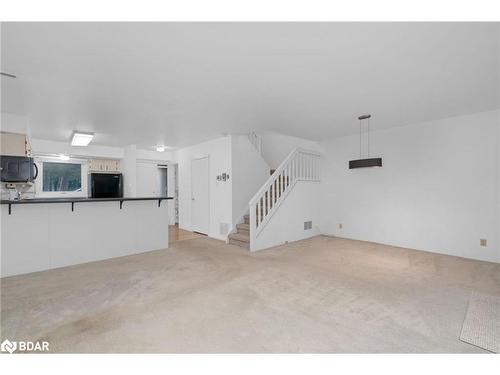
[80,200]
[45,233]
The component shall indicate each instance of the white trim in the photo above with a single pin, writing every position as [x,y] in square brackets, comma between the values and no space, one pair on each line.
[61,194]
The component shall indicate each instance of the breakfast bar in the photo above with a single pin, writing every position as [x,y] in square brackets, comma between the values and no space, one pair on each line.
[46,233]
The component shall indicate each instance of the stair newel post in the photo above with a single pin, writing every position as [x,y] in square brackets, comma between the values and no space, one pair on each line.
[251,222]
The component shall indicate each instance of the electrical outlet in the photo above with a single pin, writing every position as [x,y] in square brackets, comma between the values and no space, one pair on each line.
[340,225]
[483,242]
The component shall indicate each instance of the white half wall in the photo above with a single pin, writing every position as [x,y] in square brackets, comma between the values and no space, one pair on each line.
[220,195]
[37,237]
[276,147]
[250,171]
[287,223]
[437,190]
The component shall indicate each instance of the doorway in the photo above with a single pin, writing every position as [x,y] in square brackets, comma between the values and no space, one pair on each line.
[200,199]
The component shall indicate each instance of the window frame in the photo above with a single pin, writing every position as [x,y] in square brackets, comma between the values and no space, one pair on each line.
[61,194]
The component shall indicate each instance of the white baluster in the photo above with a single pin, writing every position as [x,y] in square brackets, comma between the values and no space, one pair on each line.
[306,164]
[259,211]
[313,174]
[310,161]
[315,167]
[268,200]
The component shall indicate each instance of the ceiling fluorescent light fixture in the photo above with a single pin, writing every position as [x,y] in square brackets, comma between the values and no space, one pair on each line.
[367,162]
[81,139]
[160,148]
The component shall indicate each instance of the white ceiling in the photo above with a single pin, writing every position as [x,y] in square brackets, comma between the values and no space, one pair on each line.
[181,83]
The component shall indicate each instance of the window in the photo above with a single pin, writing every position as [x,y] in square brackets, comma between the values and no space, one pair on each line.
[62,177]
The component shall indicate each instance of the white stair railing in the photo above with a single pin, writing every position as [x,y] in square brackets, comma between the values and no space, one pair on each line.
[299,165]
[256,141]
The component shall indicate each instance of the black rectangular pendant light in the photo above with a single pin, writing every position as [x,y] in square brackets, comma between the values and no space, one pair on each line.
[365,163]
[368,162]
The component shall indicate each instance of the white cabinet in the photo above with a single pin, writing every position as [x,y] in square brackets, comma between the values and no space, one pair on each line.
[14,144]
[104,165]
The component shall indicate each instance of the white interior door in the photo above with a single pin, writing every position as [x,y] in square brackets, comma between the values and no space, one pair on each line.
[147,180]
[200,208]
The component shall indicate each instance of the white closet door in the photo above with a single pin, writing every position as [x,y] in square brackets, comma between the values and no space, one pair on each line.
[147,180]
[200,204]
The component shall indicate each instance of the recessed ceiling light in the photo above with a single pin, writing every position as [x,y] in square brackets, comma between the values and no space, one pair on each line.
[81,139]
[160,148]
[63,157]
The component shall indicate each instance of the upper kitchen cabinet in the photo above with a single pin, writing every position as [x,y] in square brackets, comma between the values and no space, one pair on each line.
[104,165]
[14,144]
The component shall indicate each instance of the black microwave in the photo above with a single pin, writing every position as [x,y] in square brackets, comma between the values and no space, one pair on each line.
[17,169]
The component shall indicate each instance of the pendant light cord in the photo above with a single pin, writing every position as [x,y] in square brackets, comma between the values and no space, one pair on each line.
[361,118]
[368,138]
[360,139]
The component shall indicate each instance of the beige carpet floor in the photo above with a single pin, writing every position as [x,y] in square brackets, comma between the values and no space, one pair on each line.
[319,295]
[482,322]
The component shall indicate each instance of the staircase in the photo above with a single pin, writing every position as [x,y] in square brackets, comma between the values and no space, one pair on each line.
[242,236]
[300,165]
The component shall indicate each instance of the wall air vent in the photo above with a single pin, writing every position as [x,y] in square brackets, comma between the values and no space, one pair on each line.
[367,162]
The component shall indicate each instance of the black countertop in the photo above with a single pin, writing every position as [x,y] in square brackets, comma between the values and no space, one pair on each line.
[80,200]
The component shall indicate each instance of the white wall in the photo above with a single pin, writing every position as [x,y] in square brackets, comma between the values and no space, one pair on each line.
[276,147]
[498,180]
[437,189]
[12,123]
[42,146]
[171,193]
[250,171]
[287,223]
[219,154]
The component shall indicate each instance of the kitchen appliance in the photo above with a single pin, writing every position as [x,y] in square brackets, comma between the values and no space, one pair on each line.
[105,185]
[17,169]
